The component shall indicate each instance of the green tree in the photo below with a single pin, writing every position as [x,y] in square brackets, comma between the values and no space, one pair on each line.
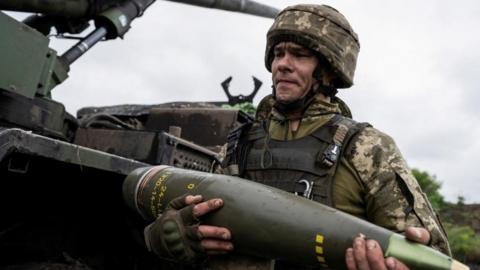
[464,242]
[460,200]
[246,107]
[431,186]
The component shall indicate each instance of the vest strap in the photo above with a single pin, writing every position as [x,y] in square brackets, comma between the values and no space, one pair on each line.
[332,153]
[230,163]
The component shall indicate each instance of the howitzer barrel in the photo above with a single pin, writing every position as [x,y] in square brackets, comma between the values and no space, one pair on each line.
[65,8]
[86,8]
[243,6]
[271,223]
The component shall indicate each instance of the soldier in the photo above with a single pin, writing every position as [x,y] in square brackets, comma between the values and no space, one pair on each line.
[304,142]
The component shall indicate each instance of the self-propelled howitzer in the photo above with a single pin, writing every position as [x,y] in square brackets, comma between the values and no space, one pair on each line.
[29,69]
[60,175]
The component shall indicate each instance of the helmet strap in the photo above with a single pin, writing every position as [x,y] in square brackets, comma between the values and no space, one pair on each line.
[294,106]
[326,90]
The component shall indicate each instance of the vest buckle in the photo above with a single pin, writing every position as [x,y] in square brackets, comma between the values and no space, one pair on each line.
[330,156]
[304,192]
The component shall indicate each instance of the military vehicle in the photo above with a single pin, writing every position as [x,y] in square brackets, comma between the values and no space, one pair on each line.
[61,176]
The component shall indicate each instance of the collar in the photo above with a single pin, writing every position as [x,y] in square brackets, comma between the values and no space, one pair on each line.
[316,108]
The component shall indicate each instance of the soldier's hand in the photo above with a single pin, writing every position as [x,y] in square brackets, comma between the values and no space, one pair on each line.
[214,240]
[367,254]
[177,235]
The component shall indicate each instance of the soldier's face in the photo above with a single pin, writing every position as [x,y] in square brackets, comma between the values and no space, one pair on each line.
[292,70]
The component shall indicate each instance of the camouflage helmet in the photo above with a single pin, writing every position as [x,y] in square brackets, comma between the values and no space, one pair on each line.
[322,29]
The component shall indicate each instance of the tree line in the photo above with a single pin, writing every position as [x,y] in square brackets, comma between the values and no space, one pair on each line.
[457,219]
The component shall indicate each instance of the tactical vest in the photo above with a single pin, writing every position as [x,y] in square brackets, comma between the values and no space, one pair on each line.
[304,166]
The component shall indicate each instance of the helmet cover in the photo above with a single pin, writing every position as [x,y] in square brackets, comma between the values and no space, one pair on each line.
[321,29]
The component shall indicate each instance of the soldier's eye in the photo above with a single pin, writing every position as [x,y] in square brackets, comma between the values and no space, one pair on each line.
[302,53]
[278,53]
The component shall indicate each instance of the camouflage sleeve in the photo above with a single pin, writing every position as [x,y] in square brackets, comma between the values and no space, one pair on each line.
[394,199]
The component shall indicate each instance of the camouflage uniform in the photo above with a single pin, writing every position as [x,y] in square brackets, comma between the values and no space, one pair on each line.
[369,179]
[372,181]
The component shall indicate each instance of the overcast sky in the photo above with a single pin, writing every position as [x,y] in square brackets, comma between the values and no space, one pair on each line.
[416,76]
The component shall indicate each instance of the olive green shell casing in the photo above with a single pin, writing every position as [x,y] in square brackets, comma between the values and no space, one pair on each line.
[269,222]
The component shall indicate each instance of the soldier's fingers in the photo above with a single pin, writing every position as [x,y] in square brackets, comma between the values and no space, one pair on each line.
[360,254]
[375,257]
[394,264]
[206,207]
[350,260]
[178,203]
[193,199]
[210,245]
[416,234]
[207,231]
